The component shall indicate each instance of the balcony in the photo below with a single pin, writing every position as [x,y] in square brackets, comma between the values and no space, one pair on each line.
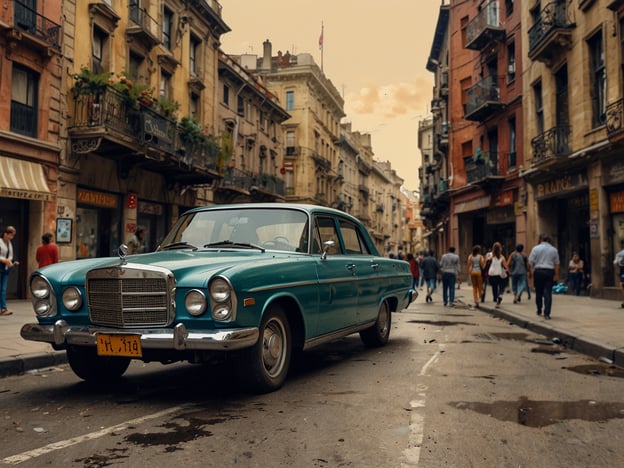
[551,145]
[615,121]
[236,180]
[483,99]
[551,33]
[483,168]
[106,123]
[34,30]
[485,27]
[321,162]
[142,26]
[293,151]
[266,187]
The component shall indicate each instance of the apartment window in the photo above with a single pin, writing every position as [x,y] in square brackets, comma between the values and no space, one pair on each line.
[135,62]
[513,152]
[25,84]
[539,107]
[226,95]
[194,56]
[511,62]
[290,100]
[465,86]
[98,54]
[462,27]
[167,27]
[240,106]
[597,78]
[194,106]
[165,85]
[509,4]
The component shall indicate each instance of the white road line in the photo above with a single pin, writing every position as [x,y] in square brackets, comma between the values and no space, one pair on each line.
[61,444]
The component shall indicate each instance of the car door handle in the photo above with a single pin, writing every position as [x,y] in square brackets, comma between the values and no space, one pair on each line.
[350,266]
[374,265]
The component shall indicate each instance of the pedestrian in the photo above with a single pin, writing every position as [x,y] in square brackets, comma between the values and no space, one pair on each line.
[135,243]
[497,273]
[47,252]
[619,262]
[519,270]
[450,268]
[429,270]
[8,262]
[575,273]
[476,265]
[484,280]
[414,269]
[419,259]
[544,262]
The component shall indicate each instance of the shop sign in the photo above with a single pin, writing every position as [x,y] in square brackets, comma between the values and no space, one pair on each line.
[614,173]
[616,202]
[501,216]
[472,205]
[150,208]
[593,229]
[24,194]
[593,200]
[89,197]
[567,183]
[504,198]
[155,129]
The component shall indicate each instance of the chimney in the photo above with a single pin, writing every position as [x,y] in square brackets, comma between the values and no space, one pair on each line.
[266,56]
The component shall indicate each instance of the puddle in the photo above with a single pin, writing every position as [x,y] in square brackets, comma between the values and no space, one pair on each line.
[598,369]
[440,323]
[544,413]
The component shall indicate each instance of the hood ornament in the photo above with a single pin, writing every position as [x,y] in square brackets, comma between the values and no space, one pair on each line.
[122,251]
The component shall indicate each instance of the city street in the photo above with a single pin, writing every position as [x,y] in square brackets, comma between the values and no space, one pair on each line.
[454,387]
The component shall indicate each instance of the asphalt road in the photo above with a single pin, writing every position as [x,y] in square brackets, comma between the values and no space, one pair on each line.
[454,387]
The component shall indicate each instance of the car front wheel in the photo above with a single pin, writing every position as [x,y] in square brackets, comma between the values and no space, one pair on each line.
[379,333]
[266,364]
[87,365]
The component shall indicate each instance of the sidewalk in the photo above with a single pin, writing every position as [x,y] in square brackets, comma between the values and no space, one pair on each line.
[589,326]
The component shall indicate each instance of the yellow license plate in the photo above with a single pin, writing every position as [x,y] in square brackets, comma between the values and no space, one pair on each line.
[119,345]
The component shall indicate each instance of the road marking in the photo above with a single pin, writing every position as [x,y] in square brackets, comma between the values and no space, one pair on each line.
[417,418]
[61,444]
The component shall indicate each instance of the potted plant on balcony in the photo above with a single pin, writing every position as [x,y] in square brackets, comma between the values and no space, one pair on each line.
[195,139]
[89,83]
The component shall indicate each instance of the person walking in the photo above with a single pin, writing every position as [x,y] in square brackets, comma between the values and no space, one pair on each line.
[450,268]
[519,270]
[497,273]
[429,270]
[484,279]
[544,262]
[47,252]
[619,262]
[414,269]
[575,273]
[135,242]
[6,265]
[476,264]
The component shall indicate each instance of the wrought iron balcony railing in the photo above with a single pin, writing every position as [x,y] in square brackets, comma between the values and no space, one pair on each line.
[551,26]
[615,118]
[485,27]
[28,20]
[482,167]
[551,144]
[145,27]
[268,183]
[237,179]
[483,99]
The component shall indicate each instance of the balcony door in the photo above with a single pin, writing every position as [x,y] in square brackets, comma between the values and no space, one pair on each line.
[562,107]
[493,145]
[26,15]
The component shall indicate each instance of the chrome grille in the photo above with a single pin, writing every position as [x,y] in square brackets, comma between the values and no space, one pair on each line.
[128,297]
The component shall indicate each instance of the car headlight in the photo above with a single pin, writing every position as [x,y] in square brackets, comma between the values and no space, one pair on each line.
[222,312]
[43,309]
[195,302]
[72,299]
[220,290]
[39,287]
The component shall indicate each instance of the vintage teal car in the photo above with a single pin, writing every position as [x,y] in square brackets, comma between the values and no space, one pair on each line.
[254,282]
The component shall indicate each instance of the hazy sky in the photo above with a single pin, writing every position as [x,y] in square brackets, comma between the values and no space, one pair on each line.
[374,52]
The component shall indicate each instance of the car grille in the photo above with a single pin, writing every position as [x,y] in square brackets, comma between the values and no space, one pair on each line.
[127,297]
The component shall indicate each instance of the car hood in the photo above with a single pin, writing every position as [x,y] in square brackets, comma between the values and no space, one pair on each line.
[184,264]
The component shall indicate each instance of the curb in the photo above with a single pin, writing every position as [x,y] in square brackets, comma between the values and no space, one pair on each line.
[17,365]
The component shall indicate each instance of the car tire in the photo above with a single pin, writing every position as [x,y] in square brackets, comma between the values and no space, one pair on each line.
[87,365]
[265,364]
[379,334]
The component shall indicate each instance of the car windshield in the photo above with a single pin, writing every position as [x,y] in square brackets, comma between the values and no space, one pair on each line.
[271,229]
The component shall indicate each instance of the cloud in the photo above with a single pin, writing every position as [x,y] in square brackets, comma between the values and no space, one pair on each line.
[391,100]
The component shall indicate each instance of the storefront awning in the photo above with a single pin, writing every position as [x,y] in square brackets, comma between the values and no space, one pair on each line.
[23,179]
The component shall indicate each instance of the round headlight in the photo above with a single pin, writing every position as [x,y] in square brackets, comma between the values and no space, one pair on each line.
[222,312]
[39,287]
[43,309]
[195,302]
[72,299]
[220,290]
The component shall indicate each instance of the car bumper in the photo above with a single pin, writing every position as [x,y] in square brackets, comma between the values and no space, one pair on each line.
[178,338]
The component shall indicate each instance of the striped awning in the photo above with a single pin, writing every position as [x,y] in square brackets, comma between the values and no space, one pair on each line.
[23,179]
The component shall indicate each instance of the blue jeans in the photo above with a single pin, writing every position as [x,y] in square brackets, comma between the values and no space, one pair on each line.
[543,280]
[576,278]
[431,284]
[448,287]
[4,281]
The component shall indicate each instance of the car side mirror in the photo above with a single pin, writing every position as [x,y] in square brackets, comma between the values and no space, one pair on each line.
[326,246]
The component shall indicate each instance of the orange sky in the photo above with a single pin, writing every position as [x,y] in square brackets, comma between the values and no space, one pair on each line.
[374,53]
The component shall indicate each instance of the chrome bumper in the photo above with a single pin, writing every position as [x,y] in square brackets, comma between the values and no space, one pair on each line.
[178,338]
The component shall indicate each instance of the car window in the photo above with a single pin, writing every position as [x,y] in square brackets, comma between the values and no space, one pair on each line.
[326,231]
[352,238]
